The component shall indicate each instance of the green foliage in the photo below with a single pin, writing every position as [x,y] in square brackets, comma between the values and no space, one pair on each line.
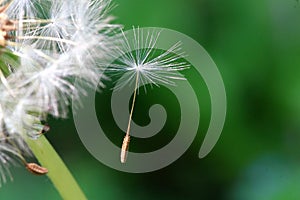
[8,60]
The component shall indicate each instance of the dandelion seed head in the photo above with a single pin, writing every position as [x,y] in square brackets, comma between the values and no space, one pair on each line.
[66,44]
[58,42]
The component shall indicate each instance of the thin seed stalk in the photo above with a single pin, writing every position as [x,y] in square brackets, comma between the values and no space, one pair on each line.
[126,140]
[58,173]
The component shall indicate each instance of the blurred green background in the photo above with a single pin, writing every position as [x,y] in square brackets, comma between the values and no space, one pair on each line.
[256,45]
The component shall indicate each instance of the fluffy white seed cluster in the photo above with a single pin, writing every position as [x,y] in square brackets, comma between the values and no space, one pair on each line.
[56,42]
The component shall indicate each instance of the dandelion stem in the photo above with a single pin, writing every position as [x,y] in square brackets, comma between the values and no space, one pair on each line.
[58,172]
[126,139]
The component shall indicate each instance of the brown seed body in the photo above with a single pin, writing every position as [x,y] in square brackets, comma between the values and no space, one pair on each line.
[45,129]
[36,169]
[6,25]
[124,150]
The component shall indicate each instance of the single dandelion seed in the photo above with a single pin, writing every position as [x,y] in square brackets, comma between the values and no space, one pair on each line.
[126,140]
[140,64]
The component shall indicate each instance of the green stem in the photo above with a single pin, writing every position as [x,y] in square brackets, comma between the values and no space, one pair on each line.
[58,172]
